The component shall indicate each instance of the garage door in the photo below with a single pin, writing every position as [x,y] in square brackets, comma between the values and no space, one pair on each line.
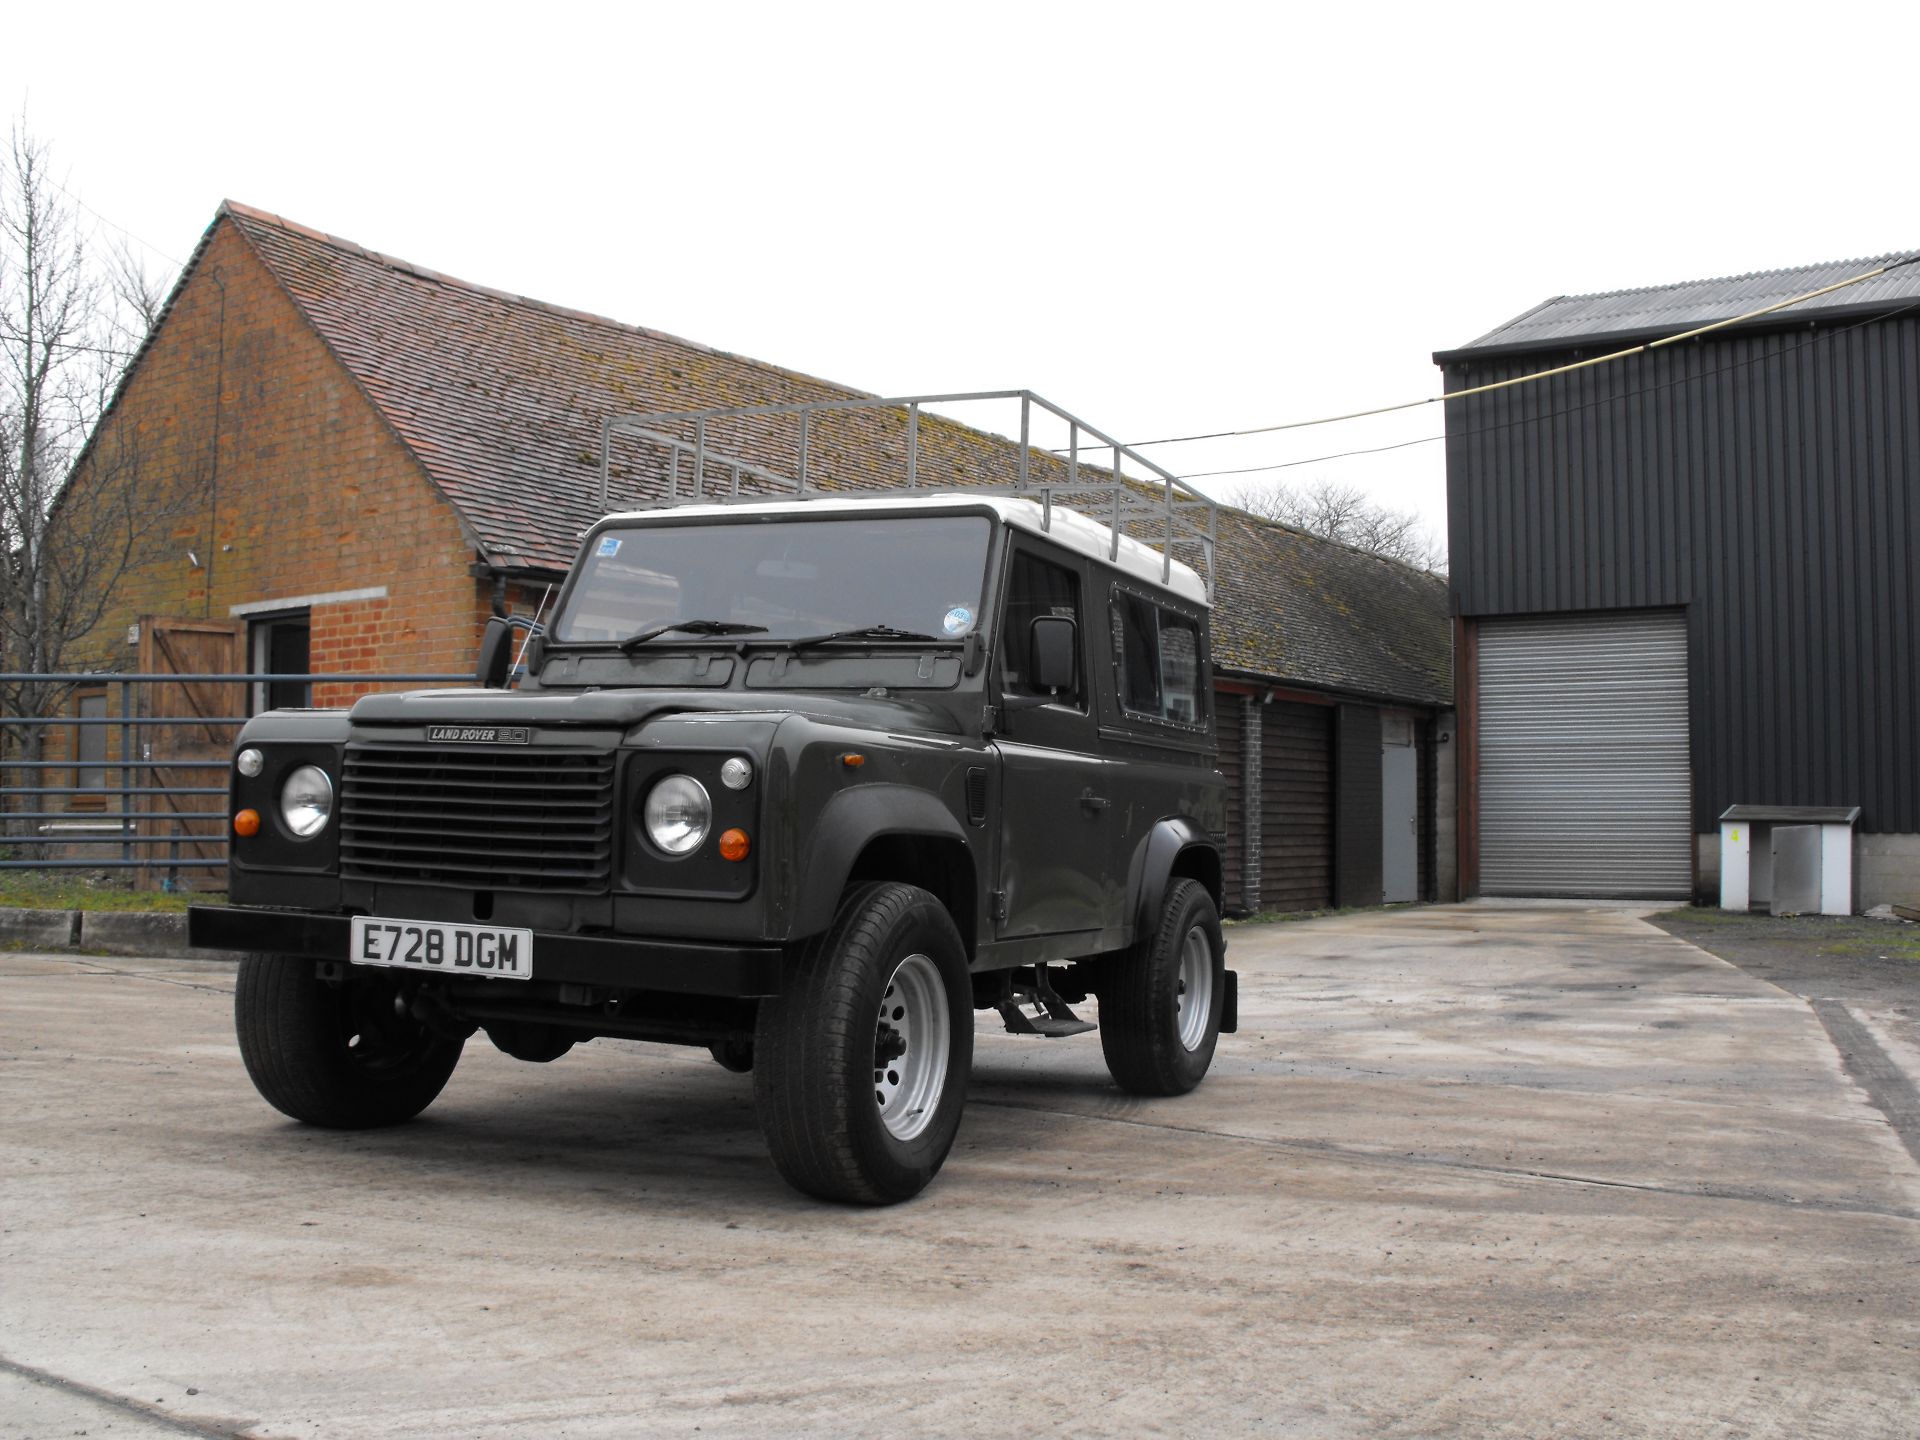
[1584,781]
[1296,806]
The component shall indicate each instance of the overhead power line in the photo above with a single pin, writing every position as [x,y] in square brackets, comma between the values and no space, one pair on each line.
[1509,383]
[69,345]
[1653,389]
[177,263]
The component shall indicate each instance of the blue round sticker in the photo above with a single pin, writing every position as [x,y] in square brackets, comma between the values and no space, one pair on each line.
[958,620]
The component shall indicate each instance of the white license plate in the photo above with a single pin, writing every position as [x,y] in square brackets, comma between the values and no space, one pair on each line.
[479,950]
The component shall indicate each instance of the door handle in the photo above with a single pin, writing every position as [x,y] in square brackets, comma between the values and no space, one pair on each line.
[1093,803]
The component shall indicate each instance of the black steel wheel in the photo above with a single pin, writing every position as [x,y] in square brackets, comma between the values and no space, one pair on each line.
[347,1054]
[861,1064]
[1161,1000]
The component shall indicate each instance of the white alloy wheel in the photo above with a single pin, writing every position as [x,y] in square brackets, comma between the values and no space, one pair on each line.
[1196,988]
[910,1047]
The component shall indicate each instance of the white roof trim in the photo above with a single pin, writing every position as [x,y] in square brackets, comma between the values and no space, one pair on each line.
[1070,528]
[307,602]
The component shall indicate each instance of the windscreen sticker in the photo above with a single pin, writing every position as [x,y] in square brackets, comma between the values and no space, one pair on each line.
[958,620]
[609,545]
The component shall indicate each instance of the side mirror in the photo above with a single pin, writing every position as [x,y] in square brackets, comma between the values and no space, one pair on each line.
[1052,649]
[496,653]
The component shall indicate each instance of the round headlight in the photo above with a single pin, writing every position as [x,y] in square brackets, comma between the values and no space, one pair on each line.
[249,762]
[736,773]
[677,814]
[306,800]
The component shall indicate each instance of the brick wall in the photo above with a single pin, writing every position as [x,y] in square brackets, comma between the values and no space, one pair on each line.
[282,481]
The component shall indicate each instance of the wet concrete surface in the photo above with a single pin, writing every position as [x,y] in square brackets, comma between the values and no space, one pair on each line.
[1860,975]
[1473,1171]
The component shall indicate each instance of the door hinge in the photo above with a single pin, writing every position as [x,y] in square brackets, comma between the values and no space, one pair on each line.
[997,906]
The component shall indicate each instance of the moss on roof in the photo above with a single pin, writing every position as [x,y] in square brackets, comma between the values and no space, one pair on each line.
[501,398]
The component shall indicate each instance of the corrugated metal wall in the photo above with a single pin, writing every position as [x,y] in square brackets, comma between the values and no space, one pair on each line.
[1583,756]
[1296,834]
[1771,483]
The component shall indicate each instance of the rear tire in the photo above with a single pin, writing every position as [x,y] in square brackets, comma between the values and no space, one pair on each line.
[345,1055]
[861,1063]
[1160,1001]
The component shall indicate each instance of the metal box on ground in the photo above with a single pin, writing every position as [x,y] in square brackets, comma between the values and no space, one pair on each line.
[1750,860]
[1796,870]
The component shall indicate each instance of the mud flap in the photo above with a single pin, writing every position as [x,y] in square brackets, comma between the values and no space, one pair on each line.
[1230,1005]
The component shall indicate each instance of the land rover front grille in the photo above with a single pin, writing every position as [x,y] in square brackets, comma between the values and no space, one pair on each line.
[489,818]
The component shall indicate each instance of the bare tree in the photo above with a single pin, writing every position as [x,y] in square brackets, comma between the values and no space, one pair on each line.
[68,325]
[1346,514]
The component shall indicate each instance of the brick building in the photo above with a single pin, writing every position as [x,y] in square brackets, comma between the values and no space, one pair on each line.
[364,459]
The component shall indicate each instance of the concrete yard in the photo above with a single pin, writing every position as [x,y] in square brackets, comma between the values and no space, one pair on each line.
[1466,1171]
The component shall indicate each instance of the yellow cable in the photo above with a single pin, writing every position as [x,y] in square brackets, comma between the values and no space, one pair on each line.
[1542,374]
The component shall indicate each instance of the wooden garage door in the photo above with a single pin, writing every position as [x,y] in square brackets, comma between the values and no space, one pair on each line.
[1296,816]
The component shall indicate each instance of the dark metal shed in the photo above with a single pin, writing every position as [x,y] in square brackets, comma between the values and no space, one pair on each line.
[1763,485]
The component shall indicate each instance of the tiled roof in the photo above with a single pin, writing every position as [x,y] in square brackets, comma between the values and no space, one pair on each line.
[501,399]
[1301,608]
[1565,320]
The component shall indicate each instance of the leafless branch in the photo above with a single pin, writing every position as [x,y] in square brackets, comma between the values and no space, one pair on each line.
[73,520]
[1345,513]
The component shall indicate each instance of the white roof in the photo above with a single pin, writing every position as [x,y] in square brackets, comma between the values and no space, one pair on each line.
[1070,528]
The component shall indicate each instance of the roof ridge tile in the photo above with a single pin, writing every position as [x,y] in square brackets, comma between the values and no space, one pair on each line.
[409,267]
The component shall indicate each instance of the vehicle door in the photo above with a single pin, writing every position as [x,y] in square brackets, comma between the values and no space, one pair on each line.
[1156,717]
[1055,856]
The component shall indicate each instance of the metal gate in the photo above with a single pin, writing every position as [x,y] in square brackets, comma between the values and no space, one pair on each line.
[1585,788]
[181,777]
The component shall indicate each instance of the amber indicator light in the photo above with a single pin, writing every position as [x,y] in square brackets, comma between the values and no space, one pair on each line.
[733,845]
[852,761]
[246,822]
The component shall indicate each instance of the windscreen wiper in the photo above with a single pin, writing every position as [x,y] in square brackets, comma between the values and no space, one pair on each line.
[689,627]
[861,632]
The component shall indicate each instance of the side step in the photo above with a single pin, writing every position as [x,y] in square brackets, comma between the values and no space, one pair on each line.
[1056,1022]
[1055,1019]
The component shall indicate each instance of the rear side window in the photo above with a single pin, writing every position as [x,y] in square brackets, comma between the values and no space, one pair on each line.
[1156,661]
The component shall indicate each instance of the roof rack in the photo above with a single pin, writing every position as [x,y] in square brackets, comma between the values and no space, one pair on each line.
[770,452]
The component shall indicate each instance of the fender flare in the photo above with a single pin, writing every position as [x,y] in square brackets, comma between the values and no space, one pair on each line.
[848,823]
[1153,866]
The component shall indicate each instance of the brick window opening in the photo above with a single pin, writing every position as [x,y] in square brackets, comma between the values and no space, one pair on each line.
[281,645]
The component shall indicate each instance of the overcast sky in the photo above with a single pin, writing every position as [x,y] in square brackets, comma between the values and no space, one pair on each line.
[1168,218]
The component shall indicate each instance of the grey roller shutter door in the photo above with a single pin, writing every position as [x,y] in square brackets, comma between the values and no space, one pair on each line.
[1585,788]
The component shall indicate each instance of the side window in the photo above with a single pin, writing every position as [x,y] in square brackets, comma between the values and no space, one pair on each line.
[1036,587]
[1156,660]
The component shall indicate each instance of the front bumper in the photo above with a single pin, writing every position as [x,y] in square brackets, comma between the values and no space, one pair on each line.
[681,967]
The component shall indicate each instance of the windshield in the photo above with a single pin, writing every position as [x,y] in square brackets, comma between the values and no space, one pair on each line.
[796,577]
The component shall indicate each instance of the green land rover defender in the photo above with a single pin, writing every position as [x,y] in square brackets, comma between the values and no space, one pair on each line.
[804,782]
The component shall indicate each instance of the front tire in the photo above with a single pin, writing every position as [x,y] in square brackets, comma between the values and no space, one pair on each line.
[345,1054]
[1161,1001]
[861,1063]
